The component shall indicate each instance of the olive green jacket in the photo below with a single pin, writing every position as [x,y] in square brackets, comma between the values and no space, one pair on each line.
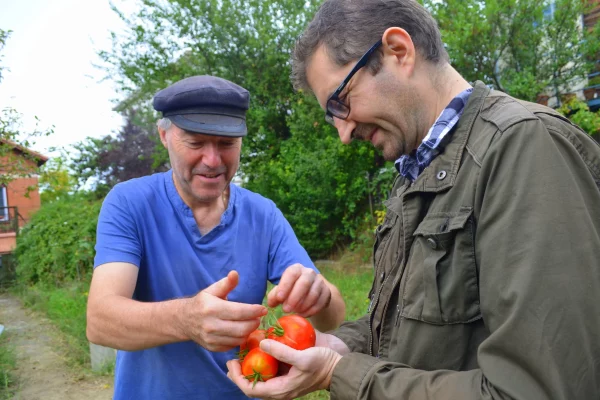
[487,268]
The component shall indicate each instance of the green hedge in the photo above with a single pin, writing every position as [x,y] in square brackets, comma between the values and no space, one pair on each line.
[57,245]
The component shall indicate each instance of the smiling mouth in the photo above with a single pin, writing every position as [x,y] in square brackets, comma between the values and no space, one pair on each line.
[370,137]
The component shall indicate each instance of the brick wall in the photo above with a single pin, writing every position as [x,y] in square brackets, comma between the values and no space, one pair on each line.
[18,195]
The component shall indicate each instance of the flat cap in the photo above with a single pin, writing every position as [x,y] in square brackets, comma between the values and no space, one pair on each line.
[205,104]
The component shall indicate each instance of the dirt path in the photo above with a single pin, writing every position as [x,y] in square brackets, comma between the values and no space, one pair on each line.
[41,370]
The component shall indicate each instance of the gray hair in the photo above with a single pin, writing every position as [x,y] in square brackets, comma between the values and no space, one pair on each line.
[347,28]
[164,124]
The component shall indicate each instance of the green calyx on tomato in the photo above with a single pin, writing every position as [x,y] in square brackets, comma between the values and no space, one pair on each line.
[294,331]
[259,366]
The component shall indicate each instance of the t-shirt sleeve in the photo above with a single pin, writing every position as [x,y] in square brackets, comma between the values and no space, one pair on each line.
[285,249]
[117,238]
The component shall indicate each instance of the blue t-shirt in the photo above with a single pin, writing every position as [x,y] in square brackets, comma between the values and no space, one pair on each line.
[145,222]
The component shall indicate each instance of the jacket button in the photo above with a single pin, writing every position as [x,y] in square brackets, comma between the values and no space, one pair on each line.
[441,175]
[432,243]
[381,277]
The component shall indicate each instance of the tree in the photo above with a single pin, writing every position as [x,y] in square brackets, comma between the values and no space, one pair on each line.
[249,42]
[521,47]
[102,163]
[16,161]
[56,182]
[579,112]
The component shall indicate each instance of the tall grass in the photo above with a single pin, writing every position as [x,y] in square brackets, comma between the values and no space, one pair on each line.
[7,366]
[65,307]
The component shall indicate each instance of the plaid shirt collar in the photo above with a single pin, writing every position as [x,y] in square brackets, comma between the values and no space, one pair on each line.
[411,165]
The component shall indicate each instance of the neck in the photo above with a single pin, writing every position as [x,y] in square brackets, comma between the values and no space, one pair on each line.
[444,83]
[447,84]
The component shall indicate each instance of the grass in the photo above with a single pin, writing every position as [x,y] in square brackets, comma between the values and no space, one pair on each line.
[7,366]
[66,308]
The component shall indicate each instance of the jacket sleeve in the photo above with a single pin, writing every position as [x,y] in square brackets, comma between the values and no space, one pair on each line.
[538,249]
[355,334]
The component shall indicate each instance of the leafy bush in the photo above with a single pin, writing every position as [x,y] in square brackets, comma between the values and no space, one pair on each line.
[57,245]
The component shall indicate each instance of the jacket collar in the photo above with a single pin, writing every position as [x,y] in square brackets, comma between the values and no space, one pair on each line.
[441,173]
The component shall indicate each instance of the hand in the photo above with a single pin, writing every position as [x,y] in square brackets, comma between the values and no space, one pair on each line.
[311,370]
[215,323]
[301,290]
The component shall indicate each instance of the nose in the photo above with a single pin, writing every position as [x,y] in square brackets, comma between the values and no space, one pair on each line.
[345,128]
[211,156]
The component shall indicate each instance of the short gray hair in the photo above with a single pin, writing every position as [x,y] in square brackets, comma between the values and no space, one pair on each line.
[164,124]
[347,28]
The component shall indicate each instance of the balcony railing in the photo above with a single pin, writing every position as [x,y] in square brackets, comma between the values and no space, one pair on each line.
[9,220]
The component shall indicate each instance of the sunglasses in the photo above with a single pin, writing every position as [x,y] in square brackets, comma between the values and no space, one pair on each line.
[335,107]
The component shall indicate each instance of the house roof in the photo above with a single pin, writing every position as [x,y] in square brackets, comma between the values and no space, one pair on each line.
[39,157]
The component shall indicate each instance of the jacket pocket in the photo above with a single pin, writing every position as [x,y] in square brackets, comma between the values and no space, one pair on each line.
[441,282]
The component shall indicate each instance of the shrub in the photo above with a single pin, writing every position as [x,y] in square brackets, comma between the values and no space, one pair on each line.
[57,245]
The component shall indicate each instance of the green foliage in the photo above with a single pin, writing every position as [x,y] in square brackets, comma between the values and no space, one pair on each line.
[57,245]
[325,189]
[3,38]
[289,154]
[579,112]
[55,181]
[14,161]
[7,367]
[519,46]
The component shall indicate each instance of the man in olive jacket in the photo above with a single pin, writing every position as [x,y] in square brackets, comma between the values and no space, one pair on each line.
[487,266]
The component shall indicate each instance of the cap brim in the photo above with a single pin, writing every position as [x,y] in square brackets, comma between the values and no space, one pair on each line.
[211,124]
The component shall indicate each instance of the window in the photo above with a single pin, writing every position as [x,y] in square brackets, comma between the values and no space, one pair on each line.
[3,204]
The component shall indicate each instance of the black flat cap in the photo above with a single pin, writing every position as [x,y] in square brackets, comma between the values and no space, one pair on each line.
[205,104]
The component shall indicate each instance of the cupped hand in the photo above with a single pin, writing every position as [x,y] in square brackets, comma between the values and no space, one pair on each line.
[300,290]
[215,323]
[311,370]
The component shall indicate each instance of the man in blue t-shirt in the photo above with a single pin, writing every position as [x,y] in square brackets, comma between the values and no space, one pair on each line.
[183,257]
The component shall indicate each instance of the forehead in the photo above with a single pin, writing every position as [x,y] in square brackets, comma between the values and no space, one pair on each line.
[323,75]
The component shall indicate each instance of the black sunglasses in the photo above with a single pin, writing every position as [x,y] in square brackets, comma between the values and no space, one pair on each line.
[336,107]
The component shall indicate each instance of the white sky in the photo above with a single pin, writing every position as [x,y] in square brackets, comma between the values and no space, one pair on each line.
[50,56]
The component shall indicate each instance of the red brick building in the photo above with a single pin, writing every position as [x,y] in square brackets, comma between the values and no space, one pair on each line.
[20,198]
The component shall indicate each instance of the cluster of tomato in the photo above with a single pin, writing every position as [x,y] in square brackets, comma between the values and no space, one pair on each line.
[292,330]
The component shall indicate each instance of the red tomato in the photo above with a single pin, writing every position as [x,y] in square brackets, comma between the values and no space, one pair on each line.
[259,366]
[252,342]
[294,331]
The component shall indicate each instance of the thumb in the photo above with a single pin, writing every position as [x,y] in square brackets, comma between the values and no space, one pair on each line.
[280,351]
[222,288]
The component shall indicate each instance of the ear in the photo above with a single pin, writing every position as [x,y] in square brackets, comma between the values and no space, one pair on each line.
[163,136]
[398,45]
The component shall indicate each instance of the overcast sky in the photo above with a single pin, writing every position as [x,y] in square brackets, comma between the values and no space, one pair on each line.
[50,56]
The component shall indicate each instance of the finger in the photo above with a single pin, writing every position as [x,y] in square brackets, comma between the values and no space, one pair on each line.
[272,300]
[300,290]
[220,343]
[312,297]
[287,281]
[234,372]
[321,303]
[233,329]
[233,311]
[280,351]
[223,287]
